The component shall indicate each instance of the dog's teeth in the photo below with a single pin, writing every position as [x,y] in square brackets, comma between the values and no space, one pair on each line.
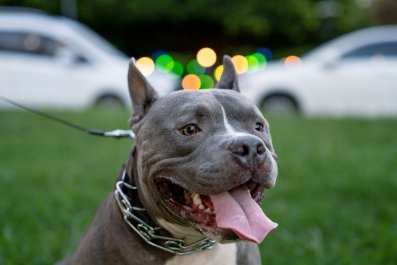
[196,199]
[208,210]
[201,207]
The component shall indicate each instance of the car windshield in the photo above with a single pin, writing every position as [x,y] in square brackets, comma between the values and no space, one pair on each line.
[352,41]
[95,39]
[334,46]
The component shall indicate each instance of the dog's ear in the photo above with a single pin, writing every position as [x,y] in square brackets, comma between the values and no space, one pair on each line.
[228,79]
[142,93]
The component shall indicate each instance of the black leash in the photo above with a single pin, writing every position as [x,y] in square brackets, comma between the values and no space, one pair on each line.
[115,133]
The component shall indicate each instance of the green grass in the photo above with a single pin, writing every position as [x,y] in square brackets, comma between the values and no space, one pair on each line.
[335,199]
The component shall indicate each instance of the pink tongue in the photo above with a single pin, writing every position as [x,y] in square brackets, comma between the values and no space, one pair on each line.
[237,211]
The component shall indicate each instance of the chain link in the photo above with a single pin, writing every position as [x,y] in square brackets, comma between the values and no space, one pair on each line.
[150,234]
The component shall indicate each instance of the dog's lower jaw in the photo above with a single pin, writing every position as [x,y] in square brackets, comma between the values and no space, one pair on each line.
[189,234]
[221,254]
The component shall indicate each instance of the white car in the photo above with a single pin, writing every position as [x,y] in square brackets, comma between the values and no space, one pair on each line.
[353,75]
[49,61]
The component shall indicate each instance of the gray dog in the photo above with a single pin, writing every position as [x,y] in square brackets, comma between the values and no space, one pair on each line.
[190,190]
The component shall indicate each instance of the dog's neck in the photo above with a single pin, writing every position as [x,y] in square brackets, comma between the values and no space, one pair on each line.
[184,239]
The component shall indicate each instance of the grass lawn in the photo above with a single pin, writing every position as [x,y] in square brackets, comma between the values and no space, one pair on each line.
[335,200]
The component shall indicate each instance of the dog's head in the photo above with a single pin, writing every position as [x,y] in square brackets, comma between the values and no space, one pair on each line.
[202,159]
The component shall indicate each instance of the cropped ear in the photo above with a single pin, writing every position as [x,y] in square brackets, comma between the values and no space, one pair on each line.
[228,79]
[142,94]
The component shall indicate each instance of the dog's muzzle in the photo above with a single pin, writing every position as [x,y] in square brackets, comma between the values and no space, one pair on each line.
[133,216]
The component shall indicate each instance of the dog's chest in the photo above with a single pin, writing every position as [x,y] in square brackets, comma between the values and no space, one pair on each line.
[222,254]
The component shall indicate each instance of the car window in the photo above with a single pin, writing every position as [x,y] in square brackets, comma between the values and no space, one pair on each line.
[385,49]
[95,39]
[28,43]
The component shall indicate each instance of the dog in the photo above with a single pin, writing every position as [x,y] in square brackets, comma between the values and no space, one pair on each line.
[190,190]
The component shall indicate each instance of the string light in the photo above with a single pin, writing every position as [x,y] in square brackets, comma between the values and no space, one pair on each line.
[198,70]
[165,62]
[145,65]
[191,82]
[206,57]
[218,72]
[206,82]
[292,60]
[240,63]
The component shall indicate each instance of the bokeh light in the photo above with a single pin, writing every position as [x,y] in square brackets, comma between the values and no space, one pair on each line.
[240,63]
[157,53]
[265,52]
[202,72]
[261,58]
[191,82]
[206,57]
[378,57]
[32,42]
[165,62]
[193,67]
[206,82]
[145,65]
[218,72]
[292,60]
[253,63]
[178,68]
[256,61]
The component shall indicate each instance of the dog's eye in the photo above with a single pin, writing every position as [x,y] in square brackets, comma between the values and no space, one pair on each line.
[259,127]
[189,129]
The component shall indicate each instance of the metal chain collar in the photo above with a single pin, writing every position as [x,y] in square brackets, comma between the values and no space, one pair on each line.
[149,233]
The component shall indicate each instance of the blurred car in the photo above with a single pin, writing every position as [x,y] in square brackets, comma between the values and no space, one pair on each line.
[354,75]
[51,61]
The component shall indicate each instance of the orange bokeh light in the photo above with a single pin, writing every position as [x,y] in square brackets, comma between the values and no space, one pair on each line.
[292,60]
[240,63]
[191,82]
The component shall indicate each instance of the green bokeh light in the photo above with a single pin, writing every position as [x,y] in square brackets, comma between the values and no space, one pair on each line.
[253,63]
[178,68]
[206,82]
[261,58]
[193,67]
[165,62]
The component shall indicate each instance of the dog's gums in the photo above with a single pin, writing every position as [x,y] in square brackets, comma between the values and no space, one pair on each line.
[199,209]
[191,205]
[198,202]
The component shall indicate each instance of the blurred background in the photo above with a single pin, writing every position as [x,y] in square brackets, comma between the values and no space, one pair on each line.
[324,73]
[310,57]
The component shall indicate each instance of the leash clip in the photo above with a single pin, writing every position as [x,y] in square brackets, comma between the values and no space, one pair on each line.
[120,133]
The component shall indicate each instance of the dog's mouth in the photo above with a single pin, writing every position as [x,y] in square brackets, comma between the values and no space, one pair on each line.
[228,215]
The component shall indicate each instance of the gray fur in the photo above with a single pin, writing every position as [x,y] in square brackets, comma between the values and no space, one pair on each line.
[228,79]
[203,163]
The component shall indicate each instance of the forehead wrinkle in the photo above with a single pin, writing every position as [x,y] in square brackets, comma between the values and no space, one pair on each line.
[190,107]
[180,102]
[208,106]
[237,108]
[226,123]
[196,110]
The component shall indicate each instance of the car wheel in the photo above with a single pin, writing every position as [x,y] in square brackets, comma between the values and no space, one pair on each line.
[109,102]
[279,104]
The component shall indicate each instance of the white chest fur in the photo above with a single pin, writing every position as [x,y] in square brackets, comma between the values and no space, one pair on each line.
[221,254]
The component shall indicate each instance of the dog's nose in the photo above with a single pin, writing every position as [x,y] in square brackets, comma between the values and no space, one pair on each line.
[249,150]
